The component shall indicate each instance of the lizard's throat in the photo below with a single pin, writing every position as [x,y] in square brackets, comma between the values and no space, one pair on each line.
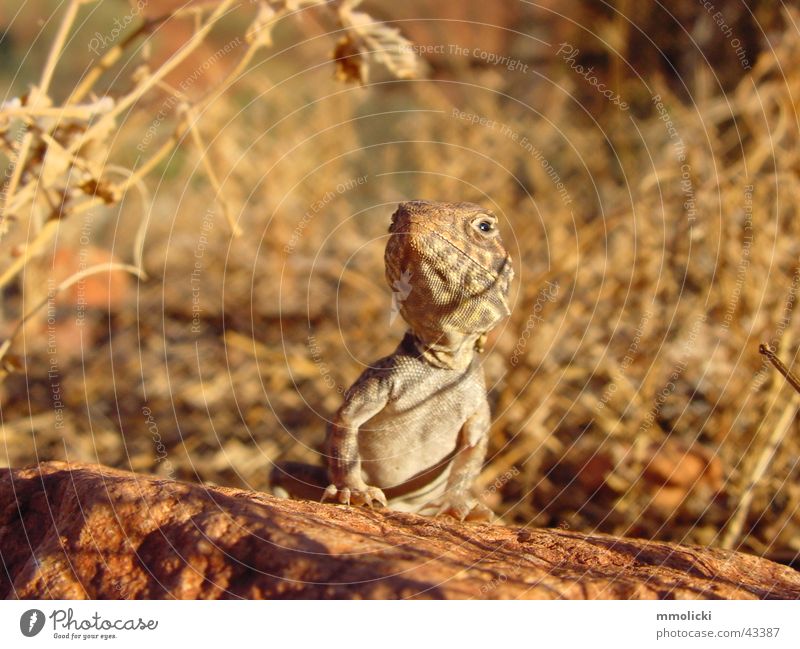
[454,351]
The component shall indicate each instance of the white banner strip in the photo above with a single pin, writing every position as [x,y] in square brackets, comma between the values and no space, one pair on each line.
[384,625]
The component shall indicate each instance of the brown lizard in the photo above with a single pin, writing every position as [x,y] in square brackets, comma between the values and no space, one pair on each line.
[412,431]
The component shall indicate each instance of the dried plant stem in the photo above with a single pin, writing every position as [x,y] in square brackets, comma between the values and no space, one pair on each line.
[36,95]
[44,235]
[31,250]
[16,173]
[151,81]
[14,201]
[108,59]
[144,199]
[86,111]
[733,530]
[239,67]
[54,55]
[152,161]
[790,376]
[212,176]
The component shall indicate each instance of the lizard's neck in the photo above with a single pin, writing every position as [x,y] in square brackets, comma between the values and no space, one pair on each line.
[453,351]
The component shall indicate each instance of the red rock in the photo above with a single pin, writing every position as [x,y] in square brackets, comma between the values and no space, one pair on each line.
[87,531]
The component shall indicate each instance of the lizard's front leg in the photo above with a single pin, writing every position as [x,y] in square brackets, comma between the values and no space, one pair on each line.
[458,500]
[341,444]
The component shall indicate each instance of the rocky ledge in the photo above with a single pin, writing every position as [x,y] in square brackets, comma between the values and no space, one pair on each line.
[86,531]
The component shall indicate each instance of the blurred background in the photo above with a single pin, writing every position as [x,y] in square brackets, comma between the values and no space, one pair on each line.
[244,159]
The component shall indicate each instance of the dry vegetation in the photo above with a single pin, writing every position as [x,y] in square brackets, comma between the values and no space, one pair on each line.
[244,213]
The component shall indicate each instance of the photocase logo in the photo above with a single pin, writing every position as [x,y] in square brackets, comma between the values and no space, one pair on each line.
[31,622]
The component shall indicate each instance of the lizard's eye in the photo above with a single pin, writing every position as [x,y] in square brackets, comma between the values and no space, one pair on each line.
[485,224]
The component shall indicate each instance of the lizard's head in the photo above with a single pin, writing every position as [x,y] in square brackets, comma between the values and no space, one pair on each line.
[448,269]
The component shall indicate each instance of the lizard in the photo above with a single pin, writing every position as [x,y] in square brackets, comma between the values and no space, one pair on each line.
[412,431]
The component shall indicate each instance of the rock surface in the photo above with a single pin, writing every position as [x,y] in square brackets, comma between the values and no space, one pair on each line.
[87,531]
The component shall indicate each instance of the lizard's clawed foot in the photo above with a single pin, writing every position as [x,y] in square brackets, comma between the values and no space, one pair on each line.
[462,508]
[360,495]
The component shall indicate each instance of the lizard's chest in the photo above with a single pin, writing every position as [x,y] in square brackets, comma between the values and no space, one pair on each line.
[419,427]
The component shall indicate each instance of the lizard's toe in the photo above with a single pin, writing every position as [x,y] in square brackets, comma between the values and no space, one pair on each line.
[378,496]
[459,507]
[480,513]
[336,495]
[459,511]
[367,495]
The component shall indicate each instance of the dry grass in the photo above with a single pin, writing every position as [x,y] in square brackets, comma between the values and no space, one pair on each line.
[637,405]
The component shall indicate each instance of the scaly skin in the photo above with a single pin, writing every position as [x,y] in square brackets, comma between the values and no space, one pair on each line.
[412,432]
